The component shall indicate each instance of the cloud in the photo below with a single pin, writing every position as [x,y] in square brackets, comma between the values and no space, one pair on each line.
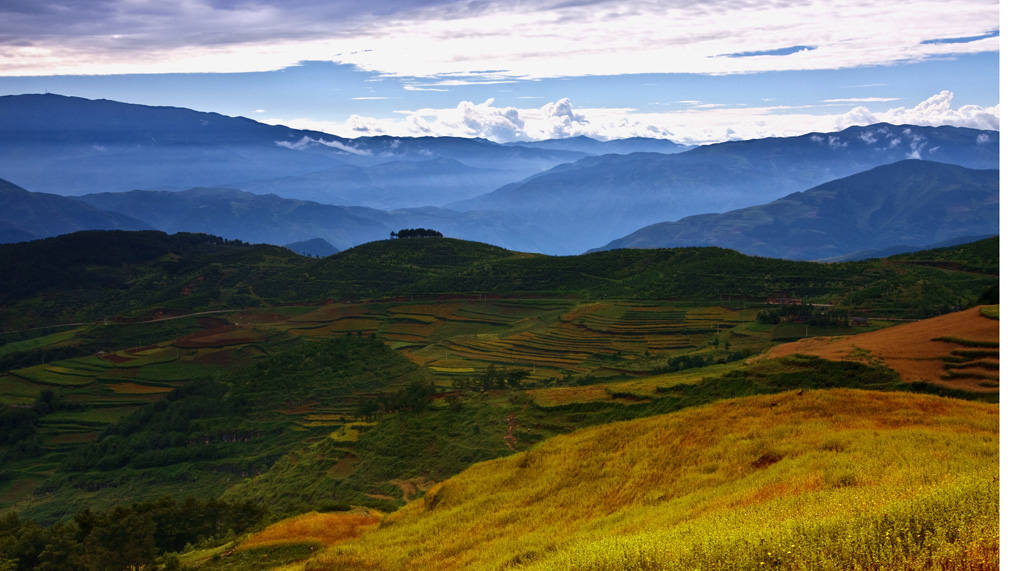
[693,125]
[307,142]
[467,119]
[462,38]
[934,111]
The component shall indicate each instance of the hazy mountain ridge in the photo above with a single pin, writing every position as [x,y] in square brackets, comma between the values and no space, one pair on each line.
[268,218]
[399,184]
[910,203]
[592,146]
[28,215]
[555,198]
[71,145]
[603,198]
[314,247]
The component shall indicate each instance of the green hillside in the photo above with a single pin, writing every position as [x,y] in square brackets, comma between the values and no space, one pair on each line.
[186,365]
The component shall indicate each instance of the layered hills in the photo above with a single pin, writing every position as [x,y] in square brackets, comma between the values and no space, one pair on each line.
[72,146]
[268,218]
[28,215]
[556,197]
[599,199]
[129,274]
[909,203]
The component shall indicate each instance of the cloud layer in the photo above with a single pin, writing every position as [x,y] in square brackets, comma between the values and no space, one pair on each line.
[469,40]
[700,124]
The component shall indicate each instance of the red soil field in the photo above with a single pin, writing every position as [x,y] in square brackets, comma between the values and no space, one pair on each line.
[911,349]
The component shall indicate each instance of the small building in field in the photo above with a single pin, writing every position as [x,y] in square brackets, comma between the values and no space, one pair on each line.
[782,298]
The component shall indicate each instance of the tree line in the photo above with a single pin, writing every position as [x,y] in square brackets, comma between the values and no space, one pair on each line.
[125,537]
[417,233]
[805,313]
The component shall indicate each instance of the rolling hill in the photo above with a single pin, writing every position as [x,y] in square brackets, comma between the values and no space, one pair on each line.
[909,203]
[266,384]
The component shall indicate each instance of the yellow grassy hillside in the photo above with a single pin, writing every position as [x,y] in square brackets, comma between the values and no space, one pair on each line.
[823,480]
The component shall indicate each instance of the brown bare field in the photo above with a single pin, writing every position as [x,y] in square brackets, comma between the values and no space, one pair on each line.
[910,349]
[115,358]
[220,337]
[137,389]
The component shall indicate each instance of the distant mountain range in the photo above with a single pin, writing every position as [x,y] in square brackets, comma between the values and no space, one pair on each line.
[910,203]
[313,248]
[28,216]
[268,218]
[591,146]
[72,146]
[245,180]
[600,199]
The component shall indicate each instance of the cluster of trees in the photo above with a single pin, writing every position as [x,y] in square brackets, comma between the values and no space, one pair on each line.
[417,233]
[414,397]
[19,436]
[697,360]
[805,313]
[494,378]
[125,537]
[162,433]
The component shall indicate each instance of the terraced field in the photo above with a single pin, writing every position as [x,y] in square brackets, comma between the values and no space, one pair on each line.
[552,338]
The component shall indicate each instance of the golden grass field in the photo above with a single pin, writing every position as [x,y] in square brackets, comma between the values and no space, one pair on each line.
[323,529]
[910,349]
[818,480]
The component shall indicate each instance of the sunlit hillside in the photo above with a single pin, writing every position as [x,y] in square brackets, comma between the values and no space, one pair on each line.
[840,479]
[959,350]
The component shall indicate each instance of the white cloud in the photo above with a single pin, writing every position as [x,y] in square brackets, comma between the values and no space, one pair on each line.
[527,39]
[936,110]
[560,119]
[306,142]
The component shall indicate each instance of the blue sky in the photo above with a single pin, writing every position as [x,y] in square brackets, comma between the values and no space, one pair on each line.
[695,71]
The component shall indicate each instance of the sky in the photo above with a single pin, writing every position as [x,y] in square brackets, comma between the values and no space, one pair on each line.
[693,71]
